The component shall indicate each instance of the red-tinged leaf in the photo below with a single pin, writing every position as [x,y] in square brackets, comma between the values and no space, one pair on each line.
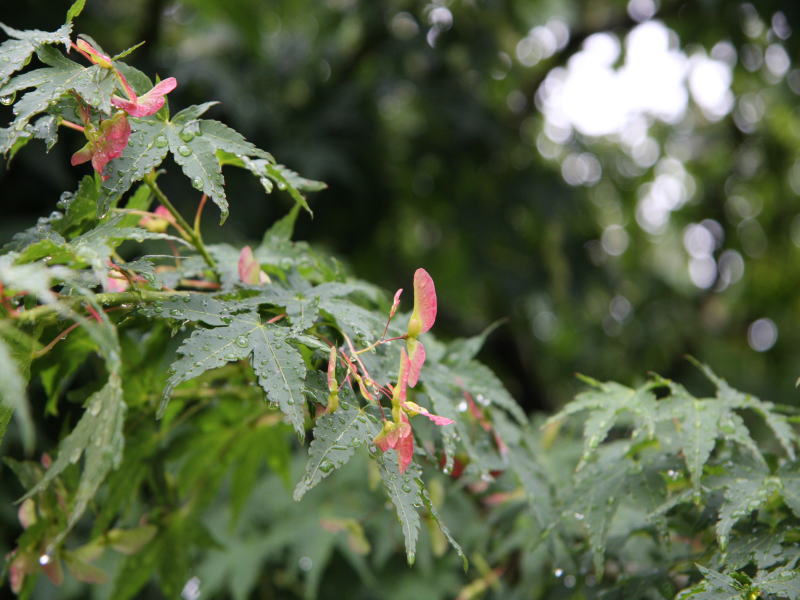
[116,282]
[27,513]
[81,156]
[149,103]
[20,566]
[416,357]
[249,270]
[83,571]
[405,448]
[52,568]
[395,302]
[158,221]
[93,55]
[333,386]
[424,314]
[104,144]
[130,541]
[415,408]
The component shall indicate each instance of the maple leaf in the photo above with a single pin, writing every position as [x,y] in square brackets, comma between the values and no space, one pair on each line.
[147,104]
[92,54]
[249,270]
[105,144]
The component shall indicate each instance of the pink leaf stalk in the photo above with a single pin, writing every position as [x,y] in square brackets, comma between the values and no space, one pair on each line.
[424,314]
[147,104]
[105,144]
[249,270]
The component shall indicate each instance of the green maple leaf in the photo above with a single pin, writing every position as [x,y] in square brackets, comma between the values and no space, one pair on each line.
[193,143]
[336,437]
[278,365]
[17,51]
[94,84]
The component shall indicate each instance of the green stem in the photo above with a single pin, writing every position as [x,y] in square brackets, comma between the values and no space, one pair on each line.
[106,299]
[192,236]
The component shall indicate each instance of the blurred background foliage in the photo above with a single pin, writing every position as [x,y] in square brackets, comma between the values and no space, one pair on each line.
[617,179]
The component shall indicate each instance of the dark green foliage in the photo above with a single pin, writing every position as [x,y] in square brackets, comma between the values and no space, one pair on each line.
[184,394]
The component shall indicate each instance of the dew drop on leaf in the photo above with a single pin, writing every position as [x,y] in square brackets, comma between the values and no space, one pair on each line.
[175,312]
[161,141]
[558,572]
[94,409]
[184,150]
[75,456]
[186,134]
[326,466]
[241,341]
[7,100]
[406,488]
[197,183]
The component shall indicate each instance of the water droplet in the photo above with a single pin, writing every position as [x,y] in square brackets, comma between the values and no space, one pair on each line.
[197,183]
[411,558]
[186,134]
[7,100]
[175,312]
[45,559]
[75,456]
[158,309]
[673,474]
[462,406]
[558,572]
[187,299]
[281,185]
[579,516]
[161,141]
[326,466]
[569,581]
[483,400]
[406,488]
[305,563]
[94,409]
[487,476]
[447,470]
[355,442]
[184,150]
[241,341]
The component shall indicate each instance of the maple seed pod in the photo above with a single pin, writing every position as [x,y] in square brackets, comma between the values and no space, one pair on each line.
[424,314]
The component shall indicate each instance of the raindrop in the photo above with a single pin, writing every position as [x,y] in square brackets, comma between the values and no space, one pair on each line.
[281,185]
[94,409]
[483,400]
[175,312]
[75,456]
[161,141]
[187,299]
[462,406]
[7,100]
[305,563]
[184,150]
[406,488]
[326,466]
[241,341]
[673,474]
[45,559]
[579,516]
[186,134]
[558,572]
[197,183]
[447,470]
